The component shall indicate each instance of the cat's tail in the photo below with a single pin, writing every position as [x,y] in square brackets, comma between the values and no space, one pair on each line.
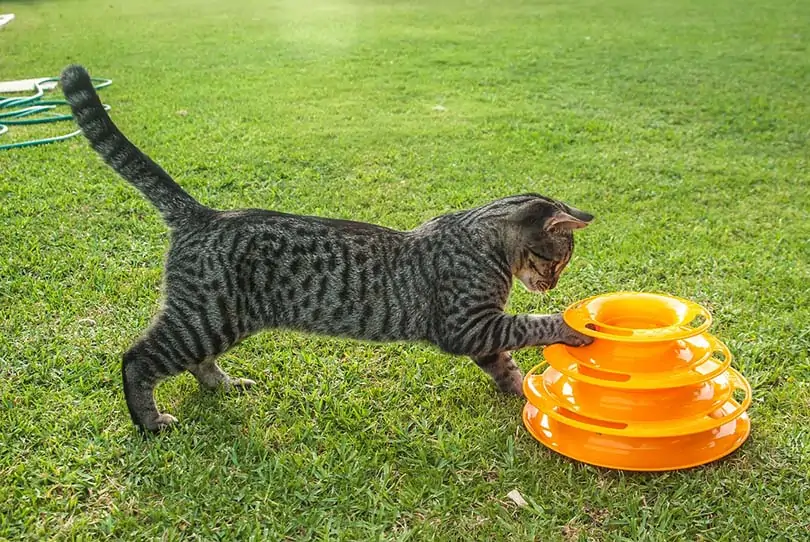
[175,204]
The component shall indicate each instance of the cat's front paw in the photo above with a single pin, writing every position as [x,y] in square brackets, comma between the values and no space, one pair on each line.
[160,423]
[512,383]
[569,336]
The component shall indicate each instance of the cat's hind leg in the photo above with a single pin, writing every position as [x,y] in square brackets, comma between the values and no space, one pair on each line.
[211,377]
[503,371]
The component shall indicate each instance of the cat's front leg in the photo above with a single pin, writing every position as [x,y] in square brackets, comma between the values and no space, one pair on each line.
[489,336]
[493,332]
[536,330]
[503,371]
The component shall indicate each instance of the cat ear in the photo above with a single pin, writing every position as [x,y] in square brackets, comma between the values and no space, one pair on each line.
[563,220]
[580,215]
[547,214]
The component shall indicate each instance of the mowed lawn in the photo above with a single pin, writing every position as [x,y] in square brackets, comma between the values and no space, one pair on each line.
[682,125]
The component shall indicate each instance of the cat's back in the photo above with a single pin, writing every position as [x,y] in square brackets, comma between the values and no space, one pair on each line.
[232,232]
[318,274]
[293,225]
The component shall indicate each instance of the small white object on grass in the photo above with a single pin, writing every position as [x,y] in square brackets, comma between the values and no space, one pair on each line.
[517,498]
[6,18]
[25,85]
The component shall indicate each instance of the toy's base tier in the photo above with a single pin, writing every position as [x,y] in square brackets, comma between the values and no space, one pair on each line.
[638,413]
[637,453]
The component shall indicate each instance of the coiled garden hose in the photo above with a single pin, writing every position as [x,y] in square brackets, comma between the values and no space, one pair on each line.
[38,108]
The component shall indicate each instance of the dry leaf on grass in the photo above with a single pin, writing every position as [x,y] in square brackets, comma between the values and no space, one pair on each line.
[517,498]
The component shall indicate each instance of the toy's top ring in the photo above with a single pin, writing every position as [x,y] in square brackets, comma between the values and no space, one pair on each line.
[637,317]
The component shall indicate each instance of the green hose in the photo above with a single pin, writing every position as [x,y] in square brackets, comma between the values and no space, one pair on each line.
[35,106]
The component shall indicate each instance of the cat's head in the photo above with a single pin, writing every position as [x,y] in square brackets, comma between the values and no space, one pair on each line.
[542,240]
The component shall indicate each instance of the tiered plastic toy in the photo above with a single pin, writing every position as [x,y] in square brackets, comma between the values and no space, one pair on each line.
[653,391]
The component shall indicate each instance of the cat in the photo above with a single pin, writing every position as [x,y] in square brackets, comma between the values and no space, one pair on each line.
[230,274]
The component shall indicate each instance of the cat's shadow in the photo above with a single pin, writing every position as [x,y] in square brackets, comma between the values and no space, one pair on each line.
[228,416]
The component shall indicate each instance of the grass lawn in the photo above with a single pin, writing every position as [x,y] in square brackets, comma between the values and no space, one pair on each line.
[682,125]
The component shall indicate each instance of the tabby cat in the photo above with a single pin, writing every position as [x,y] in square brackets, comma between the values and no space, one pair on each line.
[230,274]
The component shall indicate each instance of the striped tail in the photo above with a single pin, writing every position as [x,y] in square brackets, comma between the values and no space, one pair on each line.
[175,204]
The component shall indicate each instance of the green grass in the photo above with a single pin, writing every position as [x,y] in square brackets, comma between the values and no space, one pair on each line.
[682,125]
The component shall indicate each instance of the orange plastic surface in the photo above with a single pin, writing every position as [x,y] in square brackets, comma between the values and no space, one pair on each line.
[621,365]
[620,405]
[654,391]
[634,453]
[653,422]
[649,357]
[637,317]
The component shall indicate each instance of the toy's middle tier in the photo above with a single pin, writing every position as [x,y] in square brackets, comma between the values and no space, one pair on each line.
[652,365]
